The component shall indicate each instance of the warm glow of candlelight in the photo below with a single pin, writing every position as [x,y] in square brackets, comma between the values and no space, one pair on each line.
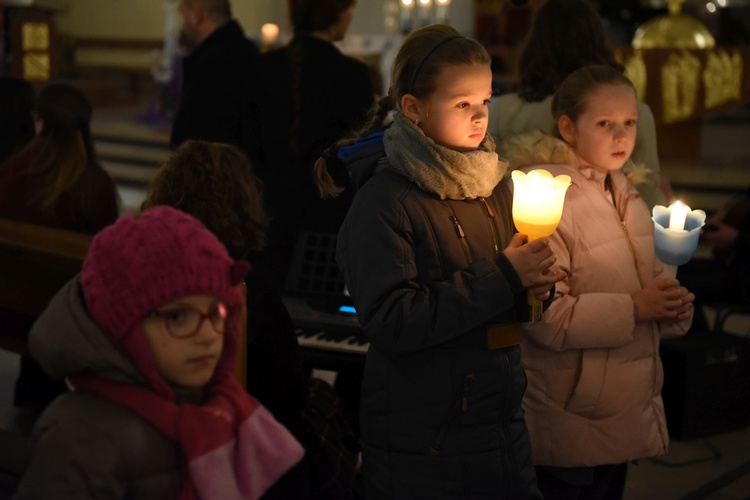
[425,3]
[443,2]
[677,215]
[538,201]
[407,3]
[270,33]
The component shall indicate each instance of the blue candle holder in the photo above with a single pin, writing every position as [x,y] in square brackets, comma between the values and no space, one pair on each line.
[676,247]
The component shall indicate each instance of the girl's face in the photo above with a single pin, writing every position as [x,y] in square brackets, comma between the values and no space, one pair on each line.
[604,134]
[186,360]
[455,114]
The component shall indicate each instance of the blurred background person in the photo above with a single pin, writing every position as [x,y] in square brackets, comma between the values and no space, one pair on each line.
[567,35]
[55,181]
[216,74]
[307,95]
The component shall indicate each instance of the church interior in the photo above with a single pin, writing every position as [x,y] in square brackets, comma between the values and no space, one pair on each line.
[688,59]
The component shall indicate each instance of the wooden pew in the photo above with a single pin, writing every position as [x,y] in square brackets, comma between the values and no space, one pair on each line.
[35,262]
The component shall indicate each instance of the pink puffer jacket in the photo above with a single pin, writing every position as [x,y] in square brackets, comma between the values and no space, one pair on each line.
[594,374]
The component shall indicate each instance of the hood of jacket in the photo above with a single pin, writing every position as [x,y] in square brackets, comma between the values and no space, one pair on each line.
[363,158]
[65,340]
[538,148]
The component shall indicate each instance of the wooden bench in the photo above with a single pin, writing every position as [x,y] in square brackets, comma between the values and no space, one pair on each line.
[35,262]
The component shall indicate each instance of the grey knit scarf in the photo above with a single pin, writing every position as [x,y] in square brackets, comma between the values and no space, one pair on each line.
[447,173]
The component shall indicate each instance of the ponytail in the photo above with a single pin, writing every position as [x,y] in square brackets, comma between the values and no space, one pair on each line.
[329,167]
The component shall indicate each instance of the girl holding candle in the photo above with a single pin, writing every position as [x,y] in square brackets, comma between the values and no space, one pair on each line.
[595,378]
[438,279]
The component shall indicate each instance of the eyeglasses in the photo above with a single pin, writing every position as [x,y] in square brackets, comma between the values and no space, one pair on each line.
[185,321]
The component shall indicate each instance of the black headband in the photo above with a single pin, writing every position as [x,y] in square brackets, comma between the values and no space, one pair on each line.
[424,59]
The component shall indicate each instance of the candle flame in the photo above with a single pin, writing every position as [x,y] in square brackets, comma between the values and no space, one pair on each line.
[677,215]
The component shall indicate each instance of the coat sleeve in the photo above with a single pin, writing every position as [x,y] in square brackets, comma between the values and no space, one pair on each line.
[72,463]
[584,320]
[401,311]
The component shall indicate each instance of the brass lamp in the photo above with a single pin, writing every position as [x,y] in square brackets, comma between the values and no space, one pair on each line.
[673,31]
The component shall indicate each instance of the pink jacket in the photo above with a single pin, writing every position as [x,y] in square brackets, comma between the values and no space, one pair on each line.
[594,374]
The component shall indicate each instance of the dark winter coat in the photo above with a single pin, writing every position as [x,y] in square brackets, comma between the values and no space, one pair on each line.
[85,446]
[440,412]
[215,94]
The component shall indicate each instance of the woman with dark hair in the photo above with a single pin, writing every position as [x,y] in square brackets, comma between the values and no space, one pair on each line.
[56,180]
[307,96]
[567,35]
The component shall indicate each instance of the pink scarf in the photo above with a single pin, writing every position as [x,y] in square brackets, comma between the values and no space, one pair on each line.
[233,446]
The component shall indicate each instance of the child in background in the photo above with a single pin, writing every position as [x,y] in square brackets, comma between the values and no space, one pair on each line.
[147,337]
[594,397]
[438,278]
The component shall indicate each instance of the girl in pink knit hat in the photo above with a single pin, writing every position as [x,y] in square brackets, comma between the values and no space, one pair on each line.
[147,337]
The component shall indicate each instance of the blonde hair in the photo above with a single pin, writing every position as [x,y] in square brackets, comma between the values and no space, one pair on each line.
[423,54]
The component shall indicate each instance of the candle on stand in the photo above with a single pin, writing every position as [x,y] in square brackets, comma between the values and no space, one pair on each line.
[407,7]
[537,207]
[676,233]
[441,11]
[269,33]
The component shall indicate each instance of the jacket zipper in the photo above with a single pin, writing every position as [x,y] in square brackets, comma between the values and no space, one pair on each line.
[491,223]
[462,238]
[461,405]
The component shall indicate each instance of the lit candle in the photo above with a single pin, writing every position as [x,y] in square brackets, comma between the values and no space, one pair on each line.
[676,233]
[677,214]
[537,207]
[270,33]
[538,202]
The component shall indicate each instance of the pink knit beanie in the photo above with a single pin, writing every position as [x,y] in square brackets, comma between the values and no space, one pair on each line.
[140,263]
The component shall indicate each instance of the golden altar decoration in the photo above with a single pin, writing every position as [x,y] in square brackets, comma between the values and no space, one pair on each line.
[680,72]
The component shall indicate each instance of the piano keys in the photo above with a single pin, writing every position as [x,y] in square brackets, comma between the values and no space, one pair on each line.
[346,342]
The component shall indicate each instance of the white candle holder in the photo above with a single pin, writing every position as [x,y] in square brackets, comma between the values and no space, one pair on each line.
[537,207]
[676,246]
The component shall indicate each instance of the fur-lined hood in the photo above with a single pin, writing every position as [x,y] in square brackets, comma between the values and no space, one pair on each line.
[538,148]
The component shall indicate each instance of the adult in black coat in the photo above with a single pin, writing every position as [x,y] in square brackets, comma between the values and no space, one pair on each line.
[216,75]
[307,96]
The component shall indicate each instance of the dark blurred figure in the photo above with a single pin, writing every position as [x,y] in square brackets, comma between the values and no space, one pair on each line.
[217,73]
[16,124]
[307,95]
[725,278]
[55,181]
